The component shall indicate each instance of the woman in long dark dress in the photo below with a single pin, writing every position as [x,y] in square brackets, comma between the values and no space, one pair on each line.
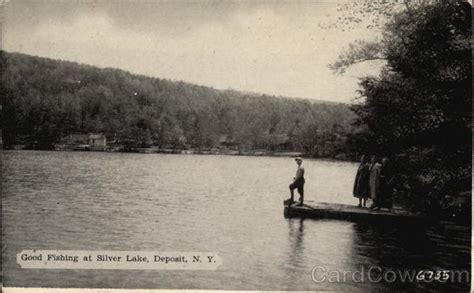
[361,183]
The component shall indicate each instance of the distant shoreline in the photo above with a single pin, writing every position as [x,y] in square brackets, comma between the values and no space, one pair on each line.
[255,153]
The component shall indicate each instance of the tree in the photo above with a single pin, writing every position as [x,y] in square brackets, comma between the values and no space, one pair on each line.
[418,110]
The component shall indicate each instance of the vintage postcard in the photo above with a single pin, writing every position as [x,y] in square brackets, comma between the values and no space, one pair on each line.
[236,145]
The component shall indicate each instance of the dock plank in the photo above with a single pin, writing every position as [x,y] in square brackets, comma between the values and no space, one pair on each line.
[323,210]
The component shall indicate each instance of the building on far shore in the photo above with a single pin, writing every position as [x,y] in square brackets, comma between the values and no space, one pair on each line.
[282,142]
[84,142]
[76,138]
[228,142]
[97,142]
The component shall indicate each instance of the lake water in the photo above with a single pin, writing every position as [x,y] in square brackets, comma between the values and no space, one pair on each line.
[225,204]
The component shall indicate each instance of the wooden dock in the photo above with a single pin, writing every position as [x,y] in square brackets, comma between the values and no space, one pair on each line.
[322,210]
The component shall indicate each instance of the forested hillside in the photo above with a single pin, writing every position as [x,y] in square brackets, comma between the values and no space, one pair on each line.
[45,100]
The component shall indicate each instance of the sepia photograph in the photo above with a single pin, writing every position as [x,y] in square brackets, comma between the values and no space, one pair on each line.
[321,145]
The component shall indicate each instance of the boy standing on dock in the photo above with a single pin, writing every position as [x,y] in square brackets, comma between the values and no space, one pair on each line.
[298,182]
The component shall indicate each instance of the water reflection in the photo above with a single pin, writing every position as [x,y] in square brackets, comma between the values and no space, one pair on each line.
[406,250]
[59,200]
[295,237]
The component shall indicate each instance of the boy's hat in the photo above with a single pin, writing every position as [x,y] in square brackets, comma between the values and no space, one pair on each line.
[298,159]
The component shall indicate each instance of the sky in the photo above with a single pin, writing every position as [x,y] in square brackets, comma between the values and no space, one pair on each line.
[275,48]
